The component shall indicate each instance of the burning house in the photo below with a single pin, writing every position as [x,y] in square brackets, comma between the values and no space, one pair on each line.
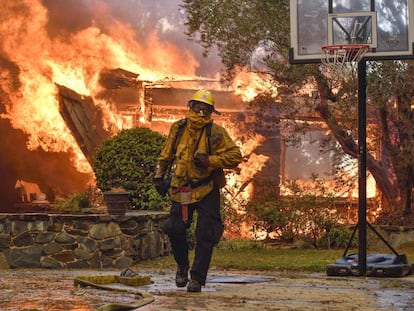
[72,76]
[140,103]
[133,103]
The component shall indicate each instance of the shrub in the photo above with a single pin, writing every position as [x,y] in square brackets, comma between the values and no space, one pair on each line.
[75,203]
[128,161]
[274,216]
[300,215]
[337,238]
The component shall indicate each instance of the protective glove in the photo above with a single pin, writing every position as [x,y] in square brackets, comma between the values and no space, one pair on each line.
[160,186]
[201,160]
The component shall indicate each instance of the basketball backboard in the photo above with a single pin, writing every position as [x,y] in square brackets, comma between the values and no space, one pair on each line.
[386,26]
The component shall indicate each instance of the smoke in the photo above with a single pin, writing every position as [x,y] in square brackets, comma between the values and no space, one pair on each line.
[43,42]
[165,18]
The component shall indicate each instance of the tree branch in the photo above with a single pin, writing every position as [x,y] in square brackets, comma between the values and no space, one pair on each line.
[350,147]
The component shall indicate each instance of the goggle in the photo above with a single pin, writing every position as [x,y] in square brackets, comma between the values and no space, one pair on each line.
[201,108]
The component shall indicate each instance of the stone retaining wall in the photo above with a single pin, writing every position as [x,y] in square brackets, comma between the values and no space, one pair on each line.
[396,236]
[96,241]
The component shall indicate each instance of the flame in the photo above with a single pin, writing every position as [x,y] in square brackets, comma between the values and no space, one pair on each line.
[74,61]
[249,84]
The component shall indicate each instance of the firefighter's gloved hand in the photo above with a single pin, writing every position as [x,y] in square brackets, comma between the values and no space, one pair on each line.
[201,160]
[160,186]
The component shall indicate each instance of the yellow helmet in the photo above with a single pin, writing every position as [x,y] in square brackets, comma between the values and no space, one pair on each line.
[204,97]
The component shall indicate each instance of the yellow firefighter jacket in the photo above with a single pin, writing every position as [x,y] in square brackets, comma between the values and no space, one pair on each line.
[180,166]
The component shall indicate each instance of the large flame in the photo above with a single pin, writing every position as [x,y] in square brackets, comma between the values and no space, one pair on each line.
[250,84]
[75,61]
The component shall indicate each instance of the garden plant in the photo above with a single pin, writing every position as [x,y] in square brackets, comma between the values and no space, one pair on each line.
[127,161]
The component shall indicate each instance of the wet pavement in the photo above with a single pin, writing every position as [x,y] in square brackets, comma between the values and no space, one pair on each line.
[40,289]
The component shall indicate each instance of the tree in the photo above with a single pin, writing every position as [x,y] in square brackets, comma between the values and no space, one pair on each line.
[243,29]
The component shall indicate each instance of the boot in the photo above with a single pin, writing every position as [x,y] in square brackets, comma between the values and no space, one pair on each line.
[181,277]
[194,286]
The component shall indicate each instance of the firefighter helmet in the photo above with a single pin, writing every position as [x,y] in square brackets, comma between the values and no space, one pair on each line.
[204,97]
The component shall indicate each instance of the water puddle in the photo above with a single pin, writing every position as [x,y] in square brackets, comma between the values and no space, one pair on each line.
[401,299]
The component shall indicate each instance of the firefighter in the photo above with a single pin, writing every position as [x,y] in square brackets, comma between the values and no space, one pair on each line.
[190,169]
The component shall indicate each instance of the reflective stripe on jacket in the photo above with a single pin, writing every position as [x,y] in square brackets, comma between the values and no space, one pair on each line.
[224,154]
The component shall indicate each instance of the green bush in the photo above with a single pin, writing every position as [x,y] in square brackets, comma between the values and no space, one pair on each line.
[75,203]
[128,161]
[337,238]
[301,215]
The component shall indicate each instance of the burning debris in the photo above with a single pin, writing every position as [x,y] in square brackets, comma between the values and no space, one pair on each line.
[68,81]
[84,120]
[119,78]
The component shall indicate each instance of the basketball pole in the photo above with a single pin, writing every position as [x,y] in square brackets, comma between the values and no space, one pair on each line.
[362,167]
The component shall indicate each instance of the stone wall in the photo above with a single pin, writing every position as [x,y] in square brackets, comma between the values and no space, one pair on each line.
[96,241]
[396,236]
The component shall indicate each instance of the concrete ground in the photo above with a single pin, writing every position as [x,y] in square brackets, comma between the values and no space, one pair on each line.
[39,289]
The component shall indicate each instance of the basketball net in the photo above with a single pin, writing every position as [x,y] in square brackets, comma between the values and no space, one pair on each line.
[341,61]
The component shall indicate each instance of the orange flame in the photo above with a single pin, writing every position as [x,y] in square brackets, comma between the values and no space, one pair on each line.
[250,84]
[74,62]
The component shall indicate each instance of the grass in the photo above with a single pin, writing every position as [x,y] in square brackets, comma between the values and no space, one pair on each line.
[251,255]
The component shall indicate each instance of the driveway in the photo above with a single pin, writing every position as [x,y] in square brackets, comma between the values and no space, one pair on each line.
[39,289]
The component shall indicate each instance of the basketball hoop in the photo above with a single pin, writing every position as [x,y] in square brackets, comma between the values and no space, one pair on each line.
[340,60]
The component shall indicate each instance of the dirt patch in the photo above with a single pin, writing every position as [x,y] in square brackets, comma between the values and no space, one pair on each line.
[55,290]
